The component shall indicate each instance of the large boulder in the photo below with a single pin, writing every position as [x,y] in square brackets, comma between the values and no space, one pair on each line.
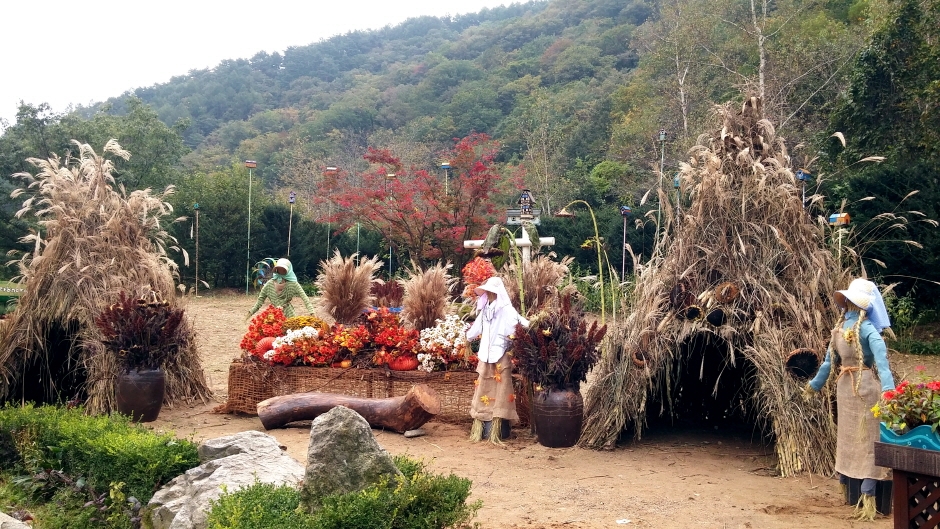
[235,461]
[343,456]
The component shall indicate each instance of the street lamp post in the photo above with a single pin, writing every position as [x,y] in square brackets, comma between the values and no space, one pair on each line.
[446,167]
[624,212]
[662,163]
[196,229]
[290,221]
[332,171]
[563,212]
[803,175]
[250,164]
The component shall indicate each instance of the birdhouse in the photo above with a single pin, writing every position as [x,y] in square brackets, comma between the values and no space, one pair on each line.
[839,219]
[803,175]
[625,211]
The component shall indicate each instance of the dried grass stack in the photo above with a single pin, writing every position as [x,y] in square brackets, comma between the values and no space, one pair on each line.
[95,242]
[427,295]
[345,287]
[540,282]
[744,245]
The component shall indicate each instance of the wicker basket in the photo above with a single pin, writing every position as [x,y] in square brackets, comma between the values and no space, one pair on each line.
[250,382]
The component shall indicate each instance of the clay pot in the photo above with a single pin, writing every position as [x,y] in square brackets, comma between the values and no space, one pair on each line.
[405,362]
[140,394]
[558,414]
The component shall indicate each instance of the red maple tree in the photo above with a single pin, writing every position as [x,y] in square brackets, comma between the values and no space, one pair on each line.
[414,208]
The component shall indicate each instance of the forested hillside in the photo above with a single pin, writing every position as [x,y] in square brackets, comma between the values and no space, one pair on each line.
[564,97]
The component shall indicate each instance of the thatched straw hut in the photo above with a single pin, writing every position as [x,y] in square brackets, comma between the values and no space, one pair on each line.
[742,279]
[93,242]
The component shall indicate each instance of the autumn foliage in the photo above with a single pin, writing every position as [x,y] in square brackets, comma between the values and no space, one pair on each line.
[414,208]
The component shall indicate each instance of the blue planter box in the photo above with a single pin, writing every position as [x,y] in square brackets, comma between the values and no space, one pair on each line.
[922,437]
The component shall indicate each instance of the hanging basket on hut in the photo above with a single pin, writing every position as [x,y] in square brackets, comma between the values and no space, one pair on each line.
[726,292]
[716,317]
[681,295]
[802,363]
[640,353]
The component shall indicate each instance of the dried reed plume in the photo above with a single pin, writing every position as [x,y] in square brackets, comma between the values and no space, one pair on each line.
[540,280]
[427,295]
[345,287]
[746,225]
[93,242]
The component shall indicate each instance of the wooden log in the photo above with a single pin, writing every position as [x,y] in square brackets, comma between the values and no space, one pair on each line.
[399,414]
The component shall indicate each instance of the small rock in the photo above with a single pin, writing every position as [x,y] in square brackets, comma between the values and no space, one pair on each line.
[415,433]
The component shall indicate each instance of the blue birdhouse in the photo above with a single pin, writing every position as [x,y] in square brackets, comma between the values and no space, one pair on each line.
[676,181]
[839,219]
[803,175]
[625,211]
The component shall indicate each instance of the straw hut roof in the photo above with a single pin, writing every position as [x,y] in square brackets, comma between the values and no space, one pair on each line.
[744,271]
[93,241]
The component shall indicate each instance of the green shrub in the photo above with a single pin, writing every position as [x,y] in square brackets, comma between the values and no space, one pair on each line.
[101,449]
[422,501]
[258,506]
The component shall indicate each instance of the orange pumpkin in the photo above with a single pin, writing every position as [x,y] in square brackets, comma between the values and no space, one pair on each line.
[265,344]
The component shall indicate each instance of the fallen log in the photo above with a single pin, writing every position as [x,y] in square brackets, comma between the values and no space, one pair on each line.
[399,414]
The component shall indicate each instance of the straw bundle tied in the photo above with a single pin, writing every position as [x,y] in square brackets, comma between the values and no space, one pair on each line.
[427,295]
[345,286]
[93,242]
[746,226]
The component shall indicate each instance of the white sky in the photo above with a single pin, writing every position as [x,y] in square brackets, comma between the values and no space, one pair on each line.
[78,52]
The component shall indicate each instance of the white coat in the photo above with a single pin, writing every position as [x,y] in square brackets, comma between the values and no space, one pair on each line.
[495,323]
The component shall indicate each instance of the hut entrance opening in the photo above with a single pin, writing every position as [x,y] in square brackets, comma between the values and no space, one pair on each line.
[56,376]
[711,389]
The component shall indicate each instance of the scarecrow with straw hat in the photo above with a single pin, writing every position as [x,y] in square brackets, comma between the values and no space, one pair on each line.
[494,399]
[859,352]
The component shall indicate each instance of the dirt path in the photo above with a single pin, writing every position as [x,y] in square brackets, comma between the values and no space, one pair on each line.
[690,478]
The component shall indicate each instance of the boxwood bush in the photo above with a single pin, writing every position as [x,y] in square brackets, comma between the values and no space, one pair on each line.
[422,501]
[98,450]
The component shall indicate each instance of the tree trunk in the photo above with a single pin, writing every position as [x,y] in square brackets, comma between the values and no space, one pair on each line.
[399,414]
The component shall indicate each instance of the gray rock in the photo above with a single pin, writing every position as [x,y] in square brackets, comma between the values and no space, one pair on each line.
[8,522]
[254,457]
[343,456]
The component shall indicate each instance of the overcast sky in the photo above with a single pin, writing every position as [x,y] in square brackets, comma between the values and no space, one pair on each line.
[70,53]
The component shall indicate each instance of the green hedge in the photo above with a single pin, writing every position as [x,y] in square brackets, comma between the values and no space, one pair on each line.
[101,450]
[422,501]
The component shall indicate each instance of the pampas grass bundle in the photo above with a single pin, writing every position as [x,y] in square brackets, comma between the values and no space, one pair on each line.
[540,280]
[345,287]
[427,295]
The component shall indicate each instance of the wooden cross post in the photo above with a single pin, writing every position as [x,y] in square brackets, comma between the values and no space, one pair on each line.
[523,243]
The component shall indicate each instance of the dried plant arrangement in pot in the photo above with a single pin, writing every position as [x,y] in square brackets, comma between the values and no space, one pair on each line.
[556,353]
[144,335]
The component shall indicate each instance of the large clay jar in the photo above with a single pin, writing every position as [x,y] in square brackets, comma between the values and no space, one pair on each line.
[140,394]
[558,414]
[405,362]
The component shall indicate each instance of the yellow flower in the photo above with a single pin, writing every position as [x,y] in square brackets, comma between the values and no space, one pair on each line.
[547,332]
[497,377]
[876,410]
[849,335]
[485,399]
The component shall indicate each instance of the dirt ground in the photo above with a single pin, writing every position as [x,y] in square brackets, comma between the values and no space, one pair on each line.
[672,478]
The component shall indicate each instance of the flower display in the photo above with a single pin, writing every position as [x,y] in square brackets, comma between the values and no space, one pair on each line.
[268,322]
[909,405]
[297,346]
[475,273]
[375,339]
[445,346]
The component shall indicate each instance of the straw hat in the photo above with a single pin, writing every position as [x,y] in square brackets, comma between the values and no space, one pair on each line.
[859,293]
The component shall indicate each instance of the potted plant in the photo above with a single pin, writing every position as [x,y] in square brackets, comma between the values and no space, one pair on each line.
[143,335]
[555,354]
[910,414]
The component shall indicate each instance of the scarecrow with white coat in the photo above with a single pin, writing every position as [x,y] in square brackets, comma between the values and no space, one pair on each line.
[494,398]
